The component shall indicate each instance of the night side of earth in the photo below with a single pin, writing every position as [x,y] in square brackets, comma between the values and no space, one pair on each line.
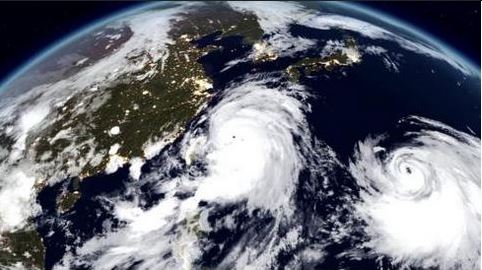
[242,135]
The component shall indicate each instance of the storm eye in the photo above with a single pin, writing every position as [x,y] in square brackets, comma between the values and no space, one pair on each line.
[408,170]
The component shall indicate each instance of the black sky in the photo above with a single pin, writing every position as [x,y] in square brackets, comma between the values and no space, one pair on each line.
[457,23]
[26,28]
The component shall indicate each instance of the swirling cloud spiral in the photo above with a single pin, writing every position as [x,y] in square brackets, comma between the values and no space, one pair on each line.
[421,196]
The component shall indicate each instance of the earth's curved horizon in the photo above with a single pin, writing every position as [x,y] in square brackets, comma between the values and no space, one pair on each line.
[242,135]
[76,34]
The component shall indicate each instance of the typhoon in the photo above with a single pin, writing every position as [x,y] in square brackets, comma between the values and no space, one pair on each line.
[421,194]
[242,135]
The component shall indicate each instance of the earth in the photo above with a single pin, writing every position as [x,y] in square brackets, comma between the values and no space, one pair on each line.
[242,135]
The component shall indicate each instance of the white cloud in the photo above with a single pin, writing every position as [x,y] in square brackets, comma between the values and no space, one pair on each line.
[135,167]
[330,21]
[422,200]
[249,154]
[35,110]
[273,15]
[115,162]
[16,197]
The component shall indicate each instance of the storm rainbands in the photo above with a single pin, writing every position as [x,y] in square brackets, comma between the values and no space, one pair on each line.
[421,195]
[203,136]
[248,151]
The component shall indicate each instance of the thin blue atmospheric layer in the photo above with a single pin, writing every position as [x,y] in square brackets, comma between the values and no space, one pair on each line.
[49,50]
[412,29]
[388,19]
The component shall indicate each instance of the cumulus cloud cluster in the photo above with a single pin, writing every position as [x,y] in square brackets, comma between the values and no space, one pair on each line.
[247,146]
[421,197]
[26,115]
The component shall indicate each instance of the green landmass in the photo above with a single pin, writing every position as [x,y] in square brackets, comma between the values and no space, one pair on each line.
[309,65]
[145,110]
[24,246]
[149,109]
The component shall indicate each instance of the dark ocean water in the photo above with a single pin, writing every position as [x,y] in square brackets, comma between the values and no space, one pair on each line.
[348,104]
